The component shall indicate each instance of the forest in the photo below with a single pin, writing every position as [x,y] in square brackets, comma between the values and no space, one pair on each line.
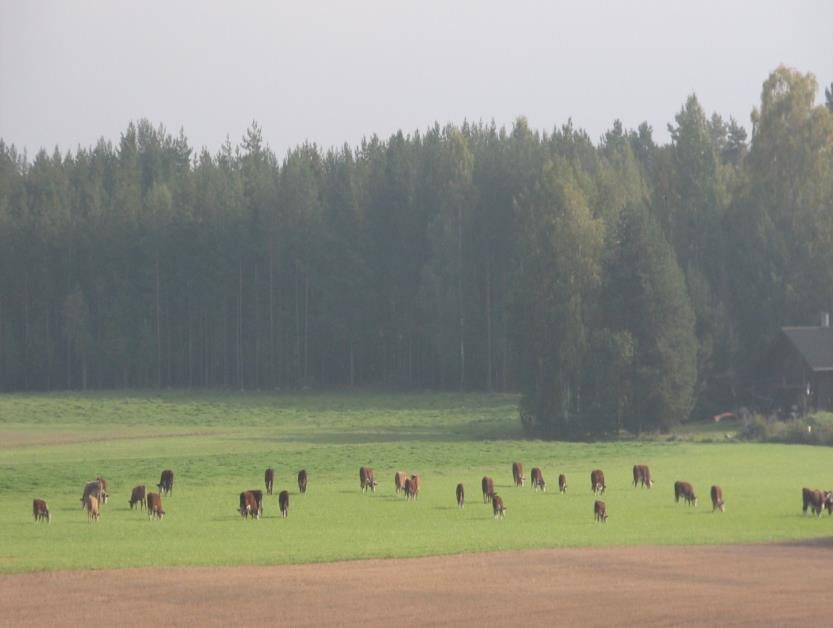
[615,283]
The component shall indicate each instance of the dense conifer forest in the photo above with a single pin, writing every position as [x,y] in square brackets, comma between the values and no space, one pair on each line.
[615,282]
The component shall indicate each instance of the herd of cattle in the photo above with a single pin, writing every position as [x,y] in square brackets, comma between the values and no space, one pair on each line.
[251,501]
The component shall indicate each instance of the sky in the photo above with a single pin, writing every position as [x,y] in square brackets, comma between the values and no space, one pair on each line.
[335,72]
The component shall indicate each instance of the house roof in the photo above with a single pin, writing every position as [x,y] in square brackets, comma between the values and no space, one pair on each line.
[815,344]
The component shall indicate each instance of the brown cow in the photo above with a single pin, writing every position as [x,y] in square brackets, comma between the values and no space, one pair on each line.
[814,499]
[828,502]
[95,487]
[642,474]
[283,503]
[414,487]
[154,504]
[562,483]
[488,485]
[406,488]
[166,483]
[248,505]
[599,512]
[269,480]
[138,496]
[399,481]
[461,496]
[685,490]
[93,513]
[498,509]
[41,511]
[717,499]
[597,481]
[538,480]
[366,479]
[258,495]
[302,481]
[518,473]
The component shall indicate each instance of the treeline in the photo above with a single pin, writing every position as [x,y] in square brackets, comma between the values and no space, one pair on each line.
[616,284]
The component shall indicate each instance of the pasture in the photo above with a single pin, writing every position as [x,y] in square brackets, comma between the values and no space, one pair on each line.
[219,444]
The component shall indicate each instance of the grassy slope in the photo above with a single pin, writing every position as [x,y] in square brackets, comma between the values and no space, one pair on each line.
[219,445]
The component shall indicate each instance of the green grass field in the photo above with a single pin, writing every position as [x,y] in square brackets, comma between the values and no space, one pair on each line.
[220,444]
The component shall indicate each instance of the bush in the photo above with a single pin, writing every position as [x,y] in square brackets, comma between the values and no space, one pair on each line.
[807,431]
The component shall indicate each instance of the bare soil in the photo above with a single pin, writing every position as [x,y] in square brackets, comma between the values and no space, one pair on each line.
[730,585]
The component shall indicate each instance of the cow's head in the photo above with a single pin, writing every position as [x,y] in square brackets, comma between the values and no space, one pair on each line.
[828,501]
[105,497]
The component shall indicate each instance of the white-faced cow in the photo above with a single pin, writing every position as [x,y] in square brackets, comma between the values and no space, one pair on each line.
[249,506]
[538,480]
[93,512]
[684,490]
[642,475]
[814,499]
[597,482]
[166,483]
[366,479]
[399,481]
[154,504]
[498,509]
[97,488]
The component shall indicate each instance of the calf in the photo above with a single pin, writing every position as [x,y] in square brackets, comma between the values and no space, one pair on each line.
[642,474]
[96,488]
[366,479]
[498,509]
[248,505]
[138,496]
[166,483]
[399,481]
[488,485]
[814,499]
[461,496]
[283,503]
[154,504]
[302,481]
[562,483]
[269,480]
[717,499]
[41,511]
[597,481]
[599,512]
[93,513]
[685,490]
[518,473]
[538,479]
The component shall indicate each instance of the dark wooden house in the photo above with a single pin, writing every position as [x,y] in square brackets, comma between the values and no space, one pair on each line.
[798,371]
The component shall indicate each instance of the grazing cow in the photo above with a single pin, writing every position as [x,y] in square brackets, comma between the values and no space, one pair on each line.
[814,499]
[154,503]
[488,485]
[399,481]
[562,483]
[283,503]
[684,489]
[538,480]
[498,509]
[269,480]
[828,502]
[249,506]
[597,481]
[138,496]
[599,511]
[41,511]
[412,487]
[166,483]
[366,479]
[302,481]
[406,488]
[461,496]
[93,513]
[518,473]
[97,489]
[258,495]
[717,499]
[642,474]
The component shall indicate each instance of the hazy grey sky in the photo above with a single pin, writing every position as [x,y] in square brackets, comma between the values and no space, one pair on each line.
[71,72]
